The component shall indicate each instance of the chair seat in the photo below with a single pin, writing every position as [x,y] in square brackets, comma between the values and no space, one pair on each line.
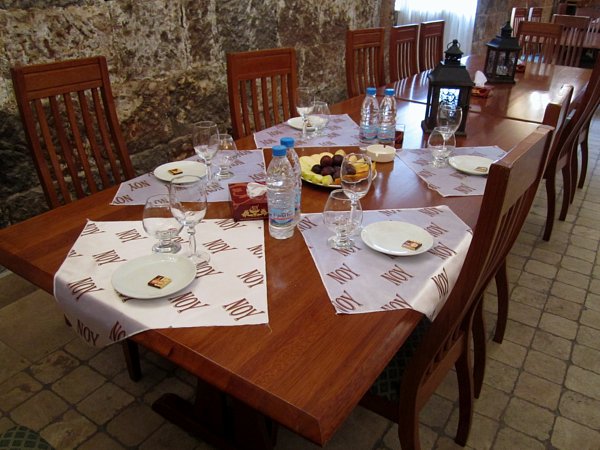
[387,384]
[22,438]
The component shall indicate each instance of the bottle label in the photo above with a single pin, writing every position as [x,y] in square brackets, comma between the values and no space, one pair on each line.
[281,217]
[367,134]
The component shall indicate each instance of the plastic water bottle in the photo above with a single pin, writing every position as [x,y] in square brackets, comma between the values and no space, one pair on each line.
[386,132]
[292,157]
[369,110]
[281,194]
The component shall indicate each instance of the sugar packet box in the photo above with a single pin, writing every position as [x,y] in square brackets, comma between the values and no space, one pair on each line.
[245,207]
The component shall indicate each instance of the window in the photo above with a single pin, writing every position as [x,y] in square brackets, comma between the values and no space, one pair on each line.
[459,17]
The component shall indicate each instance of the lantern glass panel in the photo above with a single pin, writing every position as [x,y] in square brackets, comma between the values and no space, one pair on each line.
[449,96]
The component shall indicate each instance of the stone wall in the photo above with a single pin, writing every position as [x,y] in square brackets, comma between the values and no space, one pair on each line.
[167,65]
[493,14]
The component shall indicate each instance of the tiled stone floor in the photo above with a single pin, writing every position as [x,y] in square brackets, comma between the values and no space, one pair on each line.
[542,385]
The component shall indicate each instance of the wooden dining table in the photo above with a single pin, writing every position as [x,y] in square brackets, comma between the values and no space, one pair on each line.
[308,368]
[525,100]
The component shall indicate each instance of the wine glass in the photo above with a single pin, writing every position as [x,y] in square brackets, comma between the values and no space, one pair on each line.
[187,198]
[158,221]
[304,105]
[449,117]
[441,146]
[205,137]
[341,217]
[226,158]
[319,117]
[356,174]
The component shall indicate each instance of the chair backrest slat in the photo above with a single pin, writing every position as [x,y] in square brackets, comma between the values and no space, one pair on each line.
[431,44]
[77,150]
[262,87]
[574,33]
[364,60]
[540,42]
[403,51]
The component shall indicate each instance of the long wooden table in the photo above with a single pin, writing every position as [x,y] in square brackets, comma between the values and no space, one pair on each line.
[525,100]
[308,368]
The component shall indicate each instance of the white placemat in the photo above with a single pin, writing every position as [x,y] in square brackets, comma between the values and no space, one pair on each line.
[447,181]
[248,166]
[229,290]
[362,280]
[341,130]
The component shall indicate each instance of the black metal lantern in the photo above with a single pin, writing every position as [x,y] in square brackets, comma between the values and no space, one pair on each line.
[502,57]
[449,83]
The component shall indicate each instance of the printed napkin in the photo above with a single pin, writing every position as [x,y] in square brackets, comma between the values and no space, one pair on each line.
[248,165]
[228,290]
[447,181]
[341,130]
[362,280]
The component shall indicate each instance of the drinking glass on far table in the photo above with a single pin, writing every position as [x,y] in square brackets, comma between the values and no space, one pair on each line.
[187,198]
[205,139]
[158,221]
[319,117]
[342,218]
[356,174]
[304,105]
[449,118]
[441,146]
[225,159]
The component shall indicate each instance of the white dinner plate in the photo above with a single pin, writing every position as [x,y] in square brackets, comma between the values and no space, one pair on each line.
[296,122]
[473,165]
[131,279]
[389,236]
[187,168]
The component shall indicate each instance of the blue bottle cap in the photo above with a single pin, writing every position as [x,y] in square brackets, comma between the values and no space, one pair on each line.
[279,150]
[287,141]
[389,91]
[371,91]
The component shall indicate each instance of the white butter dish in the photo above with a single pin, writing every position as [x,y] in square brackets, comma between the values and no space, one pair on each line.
[381,153]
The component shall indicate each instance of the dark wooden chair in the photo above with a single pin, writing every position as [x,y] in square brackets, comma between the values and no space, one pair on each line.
[574,33]
[540,42]
[555,117]
[262,89]
[403,51]
[415,372]
[517,15]
[431,44]
[72,129]
[535,14]
[364,60]
[73,132]
[566,159]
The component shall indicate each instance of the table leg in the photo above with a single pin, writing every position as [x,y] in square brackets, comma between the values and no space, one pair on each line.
[218,419]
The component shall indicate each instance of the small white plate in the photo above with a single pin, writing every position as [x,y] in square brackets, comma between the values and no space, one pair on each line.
[473,165]
[187,168]
[389,235]
[296,122]
[131,279]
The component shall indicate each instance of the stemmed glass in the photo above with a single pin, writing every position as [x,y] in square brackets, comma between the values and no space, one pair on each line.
[341,217]
[187,198]
[356,174]
[226,159]
[441,146]
[205,139]
[449,118]
[319,117]
[304,105]
[158,221]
